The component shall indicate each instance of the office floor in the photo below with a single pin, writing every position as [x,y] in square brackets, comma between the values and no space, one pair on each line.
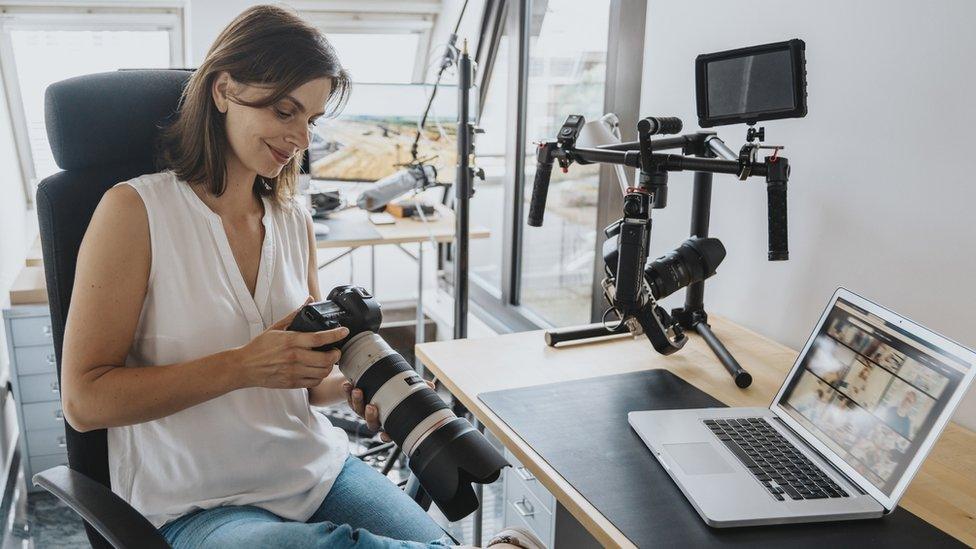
[54,524]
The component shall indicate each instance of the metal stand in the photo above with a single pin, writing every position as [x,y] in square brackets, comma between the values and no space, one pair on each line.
[693,316]
[463,192]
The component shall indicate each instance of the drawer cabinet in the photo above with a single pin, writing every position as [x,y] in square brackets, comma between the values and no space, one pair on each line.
[39,388]
[523,507]
[44,442]
[33,374]
[43,415]
[32,330]
[37,359]
[529,504]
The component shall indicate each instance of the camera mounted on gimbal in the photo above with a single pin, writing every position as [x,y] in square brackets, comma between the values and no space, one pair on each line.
[746,85]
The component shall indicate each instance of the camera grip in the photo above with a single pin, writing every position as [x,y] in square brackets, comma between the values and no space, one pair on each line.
[661,125]
[540,189]
[776,213]
[308,320]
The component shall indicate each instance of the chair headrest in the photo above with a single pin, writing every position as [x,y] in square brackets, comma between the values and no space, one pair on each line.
[111,117]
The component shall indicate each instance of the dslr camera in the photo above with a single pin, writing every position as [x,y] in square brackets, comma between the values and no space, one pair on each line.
[445,452]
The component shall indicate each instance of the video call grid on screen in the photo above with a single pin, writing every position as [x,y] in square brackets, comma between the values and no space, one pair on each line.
[871,391]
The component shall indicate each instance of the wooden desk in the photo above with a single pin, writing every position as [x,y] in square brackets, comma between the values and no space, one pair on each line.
[29,287]
[404,231]
[943,493]
[34,256]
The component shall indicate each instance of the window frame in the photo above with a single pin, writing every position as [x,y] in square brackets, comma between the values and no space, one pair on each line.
[621,96]
[166,16]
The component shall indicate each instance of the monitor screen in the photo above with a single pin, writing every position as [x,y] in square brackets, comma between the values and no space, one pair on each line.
[372,136]
[871,391]
[755,84]
[764,82]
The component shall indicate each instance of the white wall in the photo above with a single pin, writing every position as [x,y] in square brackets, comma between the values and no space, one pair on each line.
[881,198]
[15,219]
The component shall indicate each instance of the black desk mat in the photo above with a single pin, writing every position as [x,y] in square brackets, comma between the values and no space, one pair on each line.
[348,229]
[580,428]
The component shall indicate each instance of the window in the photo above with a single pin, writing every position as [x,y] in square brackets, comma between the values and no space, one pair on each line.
[488,204]
[567,71]
[359,55]
[384,42]
[41,46]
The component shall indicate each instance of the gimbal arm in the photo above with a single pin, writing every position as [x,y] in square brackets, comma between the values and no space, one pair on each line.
[775,169]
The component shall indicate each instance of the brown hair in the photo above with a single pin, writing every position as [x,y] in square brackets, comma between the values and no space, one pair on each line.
[267,46]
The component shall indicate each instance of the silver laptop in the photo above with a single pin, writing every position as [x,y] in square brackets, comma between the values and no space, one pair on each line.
[864,403]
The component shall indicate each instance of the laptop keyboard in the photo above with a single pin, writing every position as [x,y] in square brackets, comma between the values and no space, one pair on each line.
[782,469]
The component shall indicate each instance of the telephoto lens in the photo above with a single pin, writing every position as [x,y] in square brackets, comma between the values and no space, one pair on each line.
[444,451]
[695,260]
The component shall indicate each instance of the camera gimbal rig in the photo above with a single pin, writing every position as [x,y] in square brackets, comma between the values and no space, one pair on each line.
[631,288]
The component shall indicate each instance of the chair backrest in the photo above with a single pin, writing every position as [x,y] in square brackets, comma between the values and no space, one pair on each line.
[102,129]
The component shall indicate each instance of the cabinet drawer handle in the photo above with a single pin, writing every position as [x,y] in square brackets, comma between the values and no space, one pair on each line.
[52,359]
[55,387]
[524,473]
[524,508]
[59,415]
[46,330]
[62,443]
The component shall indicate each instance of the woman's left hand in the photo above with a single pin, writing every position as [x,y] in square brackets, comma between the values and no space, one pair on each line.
[368,412]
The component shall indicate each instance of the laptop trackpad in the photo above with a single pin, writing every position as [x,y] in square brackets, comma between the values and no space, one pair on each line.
[698,458]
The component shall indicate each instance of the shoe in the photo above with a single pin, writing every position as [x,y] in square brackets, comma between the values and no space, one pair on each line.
[519,537]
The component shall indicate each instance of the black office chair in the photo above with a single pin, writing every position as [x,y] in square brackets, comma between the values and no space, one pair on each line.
[102,129]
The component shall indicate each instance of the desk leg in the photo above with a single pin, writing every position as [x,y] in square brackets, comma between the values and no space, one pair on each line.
[479,493]
[336,258]
[420,306]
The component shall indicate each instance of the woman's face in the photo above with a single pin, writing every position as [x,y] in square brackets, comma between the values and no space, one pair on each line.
[264,139]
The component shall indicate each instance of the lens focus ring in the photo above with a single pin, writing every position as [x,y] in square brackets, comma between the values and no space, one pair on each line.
[381,372]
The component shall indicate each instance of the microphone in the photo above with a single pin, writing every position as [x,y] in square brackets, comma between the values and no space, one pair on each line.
[393,186]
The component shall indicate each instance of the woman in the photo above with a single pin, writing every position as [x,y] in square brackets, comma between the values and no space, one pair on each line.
[175,340]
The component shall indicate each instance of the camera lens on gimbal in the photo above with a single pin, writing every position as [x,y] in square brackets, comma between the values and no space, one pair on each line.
[695,260]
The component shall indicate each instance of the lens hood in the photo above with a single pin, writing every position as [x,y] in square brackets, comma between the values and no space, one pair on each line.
[449,460]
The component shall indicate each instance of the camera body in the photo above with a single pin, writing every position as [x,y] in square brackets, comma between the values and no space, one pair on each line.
[445,452]
[349,306]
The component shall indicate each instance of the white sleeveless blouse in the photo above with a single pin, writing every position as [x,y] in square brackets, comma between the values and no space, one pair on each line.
[254,446]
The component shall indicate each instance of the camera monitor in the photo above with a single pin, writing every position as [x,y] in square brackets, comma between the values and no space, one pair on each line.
[766,82]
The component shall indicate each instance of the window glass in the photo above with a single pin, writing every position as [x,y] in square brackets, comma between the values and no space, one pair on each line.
[567,68]
[386,58]
[44,57]
[488,203]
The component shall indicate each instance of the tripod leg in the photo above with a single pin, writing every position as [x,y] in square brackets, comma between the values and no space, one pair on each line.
[391,460]
[742,378]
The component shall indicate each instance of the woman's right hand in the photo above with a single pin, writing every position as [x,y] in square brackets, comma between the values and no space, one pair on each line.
[282,359]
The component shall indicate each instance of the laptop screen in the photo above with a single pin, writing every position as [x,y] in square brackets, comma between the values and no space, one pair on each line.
[871,391]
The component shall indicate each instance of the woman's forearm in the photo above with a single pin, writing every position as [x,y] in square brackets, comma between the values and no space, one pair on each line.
[114,396]
[329,392]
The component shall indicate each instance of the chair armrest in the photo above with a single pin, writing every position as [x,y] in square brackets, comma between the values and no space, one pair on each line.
[115,520]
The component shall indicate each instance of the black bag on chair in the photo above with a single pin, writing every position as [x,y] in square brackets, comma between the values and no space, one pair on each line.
[102,129]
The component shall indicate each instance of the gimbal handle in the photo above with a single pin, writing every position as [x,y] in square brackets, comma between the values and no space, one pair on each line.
[540,187]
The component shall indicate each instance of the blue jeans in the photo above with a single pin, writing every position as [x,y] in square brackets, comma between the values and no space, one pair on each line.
[363,510]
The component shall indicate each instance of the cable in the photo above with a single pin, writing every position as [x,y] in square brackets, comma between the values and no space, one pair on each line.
[446,61]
